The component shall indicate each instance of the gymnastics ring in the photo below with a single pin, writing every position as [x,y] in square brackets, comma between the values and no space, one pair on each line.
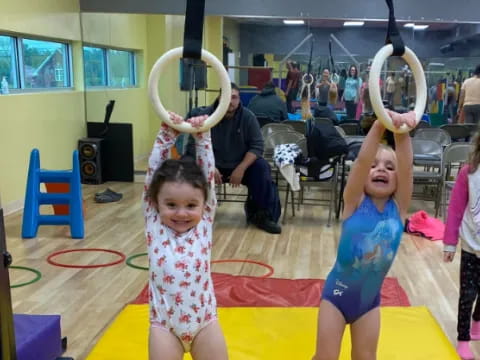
[374,85]
[267,275]
[160,68]
[305,82]
[52,262]
[38,276]
[129,261]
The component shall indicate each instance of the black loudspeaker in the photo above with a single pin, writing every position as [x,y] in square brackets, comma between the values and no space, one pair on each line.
[193,74]
[117,147]
[90,156]
[259,60]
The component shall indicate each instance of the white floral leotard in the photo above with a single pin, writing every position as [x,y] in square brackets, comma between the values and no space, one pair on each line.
[182,299]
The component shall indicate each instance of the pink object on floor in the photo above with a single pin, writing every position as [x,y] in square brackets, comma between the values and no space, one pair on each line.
[425,225]
[464,351]
[475,330]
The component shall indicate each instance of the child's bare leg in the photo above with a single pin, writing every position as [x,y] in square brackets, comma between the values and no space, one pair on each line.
[331,325]
[163,345]
[365,332]
[209,344]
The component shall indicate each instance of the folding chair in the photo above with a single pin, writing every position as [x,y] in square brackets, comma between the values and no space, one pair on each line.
[340,131]
[473,129]
[320,120]
[421,125]
[352,128]
[429,154]
[297,125]
[457,132]
[272,127]
[264,120]
[328,186]
[275,138]
[345,165]
[455,154]
[435,134]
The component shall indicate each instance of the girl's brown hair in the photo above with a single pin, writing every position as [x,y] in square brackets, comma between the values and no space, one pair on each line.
[474,159]
[183,171]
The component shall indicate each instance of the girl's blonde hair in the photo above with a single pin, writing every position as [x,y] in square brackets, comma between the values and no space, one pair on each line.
[386,147]
[382,146]
[305,105]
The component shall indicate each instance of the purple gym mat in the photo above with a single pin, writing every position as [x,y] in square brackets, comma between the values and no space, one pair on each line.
[38,337]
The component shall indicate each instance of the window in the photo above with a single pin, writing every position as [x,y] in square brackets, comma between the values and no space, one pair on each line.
[44,64]
[34,64]
[109,67]
[120,68]
[8,61]
[95,74]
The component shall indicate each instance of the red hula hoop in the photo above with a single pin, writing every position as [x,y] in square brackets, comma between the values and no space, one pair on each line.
[121,259]
[268,274]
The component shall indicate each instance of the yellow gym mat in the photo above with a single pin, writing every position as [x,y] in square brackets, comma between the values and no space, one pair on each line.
[408,333]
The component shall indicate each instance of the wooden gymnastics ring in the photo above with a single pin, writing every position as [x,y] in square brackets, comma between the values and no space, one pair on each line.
[160,67]
[374,85]
[305,82]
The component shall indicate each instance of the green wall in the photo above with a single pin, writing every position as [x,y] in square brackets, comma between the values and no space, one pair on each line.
[131,104]
[50,121]
[53,121]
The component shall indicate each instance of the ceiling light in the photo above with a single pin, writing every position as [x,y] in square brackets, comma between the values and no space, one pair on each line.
[353,23]
[420,27]
[293,22]
[416,27]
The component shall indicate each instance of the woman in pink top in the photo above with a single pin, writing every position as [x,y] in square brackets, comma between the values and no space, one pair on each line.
[469,102]
[463,222]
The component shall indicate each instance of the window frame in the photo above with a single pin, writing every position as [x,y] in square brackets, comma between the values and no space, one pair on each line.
[15,62]
[18,54]
[67,63]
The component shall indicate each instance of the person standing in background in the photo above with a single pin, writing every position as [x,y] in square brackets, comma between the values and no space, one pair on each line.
[323,87]
[341,83]
[390,88]
[293,82]
[469,103]
[351,94]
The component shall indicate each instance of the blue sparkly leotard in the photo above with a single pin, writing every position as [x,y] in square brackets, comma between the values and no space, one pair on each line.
[367,247]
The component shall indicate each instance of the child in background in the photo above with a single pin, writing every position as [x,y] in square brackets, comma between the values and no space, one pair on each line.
[179,207]
[463,221]
[376,198]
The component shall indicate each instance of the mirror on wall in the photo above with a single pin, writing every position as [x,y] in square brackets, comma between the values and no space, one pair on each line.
[269,42]
[447,51]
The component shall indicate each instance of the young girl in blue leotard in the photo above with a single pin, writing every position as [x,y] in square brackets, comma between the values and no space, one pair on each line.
[376,198]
